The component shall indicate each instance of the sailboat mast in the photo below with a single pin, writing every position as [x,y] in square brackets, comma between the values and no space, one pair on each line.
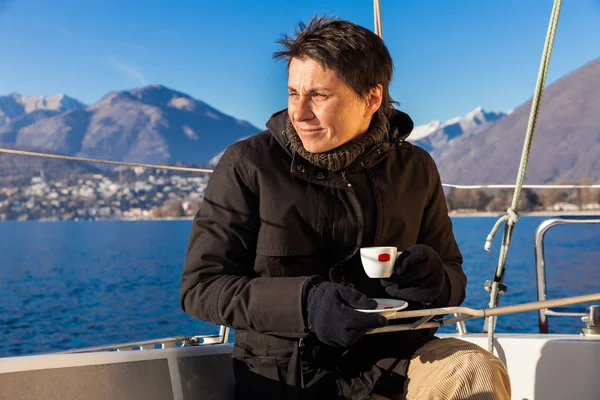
[377,16]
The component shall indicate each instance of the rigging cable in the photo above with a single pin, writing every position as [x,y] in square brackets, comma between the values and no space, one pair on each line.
[496,286]
[208,171]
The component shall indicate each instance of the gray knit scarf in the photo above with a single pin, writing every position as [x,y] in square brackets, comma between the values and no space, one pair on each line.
[341,157]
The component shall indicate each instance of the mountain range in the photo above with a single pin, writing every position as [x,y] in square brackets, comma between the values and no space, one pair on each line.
[153,124]
[566,144]
[158,125]
[435,136]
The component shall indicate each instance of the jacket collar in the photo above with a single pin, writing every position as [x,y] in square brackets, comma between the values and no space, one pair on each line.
[401,125]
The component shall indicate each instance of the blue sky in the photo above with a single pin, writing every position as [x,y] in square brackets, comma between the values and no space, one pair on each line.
[450,56]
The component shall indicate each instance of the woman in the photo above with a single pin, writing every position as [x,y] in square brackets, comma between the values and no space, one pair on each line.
[274,248]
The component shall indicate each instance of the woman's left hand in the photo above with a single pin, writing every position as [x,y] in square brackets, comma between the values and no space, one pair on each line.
[418,276]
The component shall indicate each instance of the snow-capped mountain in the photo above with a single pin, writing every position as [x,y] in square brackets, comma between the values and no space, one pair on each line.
[435,135]
[566,147]
[15,106]
[422,131]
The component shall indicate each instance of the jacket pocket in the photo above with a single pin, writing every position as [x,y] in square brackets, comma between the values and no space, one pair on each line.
[264,356]
[259,378]
[290,232]
[290,251]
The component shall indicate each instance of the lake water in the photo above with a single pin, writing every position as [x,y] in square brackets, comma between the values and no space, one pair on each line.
[77,284]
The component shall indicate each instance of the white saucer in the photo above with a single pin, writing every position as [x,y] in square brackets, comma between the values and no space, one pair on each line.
[387,307]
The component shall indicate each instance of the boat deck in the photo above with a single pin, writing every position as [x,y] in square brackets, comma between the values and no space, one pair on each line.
[541,367]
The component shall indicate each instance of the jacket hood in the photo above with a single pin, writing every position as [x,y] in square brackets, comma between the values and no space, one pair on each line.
[401,125]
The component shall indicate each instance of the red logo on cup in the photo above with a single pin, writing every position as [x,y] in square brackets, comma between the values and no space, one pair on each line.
[383,257]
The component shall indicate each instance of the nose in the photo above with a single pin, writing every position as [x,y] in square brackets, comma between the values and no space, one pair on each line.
[300,109]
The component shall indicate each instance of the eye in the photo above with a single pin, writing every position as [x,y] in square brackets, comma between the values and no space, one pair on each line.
[320,95]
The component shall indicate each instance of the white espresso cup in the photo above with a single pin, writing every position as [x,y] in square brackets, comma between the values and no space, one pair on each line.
[378,262]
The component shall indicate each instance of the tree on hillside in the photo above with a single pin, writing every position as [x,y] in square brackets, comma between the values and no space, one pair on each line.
[172,208]
[549,197]
[192,206]
[528,200]
[467,199]
[586,196]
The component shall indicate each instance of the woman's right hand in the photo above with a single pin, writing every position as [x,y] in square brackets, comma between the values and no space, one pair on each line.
[332,316]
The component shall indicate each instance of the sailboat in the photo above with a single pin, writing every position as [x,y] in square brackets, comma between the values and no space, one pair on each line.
[541,365]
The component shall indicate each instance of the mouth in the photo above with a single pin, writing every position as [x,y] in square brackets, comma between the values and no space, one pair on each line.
[309,131]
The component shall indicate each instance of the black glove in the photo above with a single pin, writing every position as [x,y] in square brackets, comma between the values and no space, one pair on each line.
[418,277]
[330,312]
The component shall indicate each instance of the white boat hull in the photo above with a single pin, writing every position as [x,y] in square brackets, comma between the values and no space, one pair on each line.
[541,367]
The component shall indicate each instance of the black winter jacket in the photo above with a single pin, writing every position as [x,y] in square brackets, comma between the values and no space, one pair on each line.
[270,219]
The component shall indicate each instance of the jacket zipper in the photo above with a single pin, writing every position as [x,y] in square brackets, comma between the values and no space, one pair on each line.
[359,214]
[378,208]
[346,181]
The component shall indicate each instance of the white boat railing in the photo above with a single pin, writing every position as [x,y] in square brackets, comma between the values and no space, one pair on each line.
[541,265]
[544,306]
[156,344]
[429,318]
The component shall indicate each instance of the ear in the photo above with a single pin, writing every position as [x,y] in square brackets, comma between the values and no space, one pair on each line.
[374,99]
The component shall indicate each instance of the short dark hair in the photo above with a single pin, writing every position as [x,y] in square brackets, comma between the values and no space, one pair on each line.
[357,54]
